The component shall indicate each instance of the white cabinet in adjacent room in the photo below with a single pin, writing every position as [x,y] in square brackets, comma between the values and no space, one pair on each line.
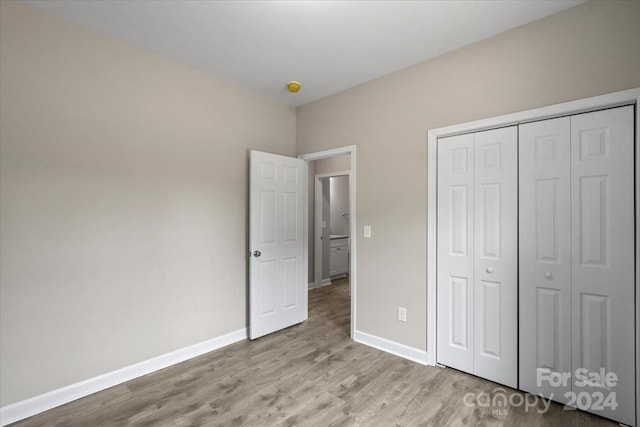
[339,256]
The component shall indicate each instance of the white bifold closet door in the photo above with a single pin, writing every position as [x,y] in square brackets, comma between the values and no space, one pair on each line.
[602,248]
[455,252]
[477,254]
[545,255]
[577,259]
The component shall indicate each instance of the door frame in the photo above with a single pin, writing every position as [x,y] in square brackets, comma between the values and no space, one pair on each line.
[324,154]
[616,99]
[317,224]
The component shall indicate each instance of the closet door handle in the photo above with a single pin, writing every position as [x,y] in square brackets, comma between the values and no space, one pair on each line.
[548,275]
[489,270]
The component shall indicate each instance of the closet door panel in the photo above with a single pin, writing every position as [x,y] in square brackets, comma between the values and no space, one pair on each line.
[495,262]
[455,252]
[545,256]
[602,203]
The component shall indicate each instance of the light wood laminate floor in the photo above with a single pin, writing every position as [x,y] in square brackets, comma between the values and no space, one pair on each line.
[311,374]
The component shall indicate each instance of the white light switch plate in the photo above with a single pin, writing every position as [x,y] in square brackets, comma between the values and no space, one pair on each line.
[402,314]
[367,231]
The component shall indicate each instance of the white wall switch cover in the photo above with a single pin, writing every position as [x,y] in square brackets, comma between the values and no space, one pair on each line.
[402,314]
[324,224]
[367,231]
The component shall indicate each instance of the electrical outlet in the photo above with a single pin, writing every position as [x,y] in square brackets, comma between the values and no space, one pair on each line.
[367,231]
[402,314]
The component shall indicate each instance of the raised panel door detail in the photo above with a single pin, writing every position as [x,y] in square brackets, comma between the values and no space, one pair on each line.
[459,159]
[491,327]
[546,148]
[548,328]
[459,219]
[491,156]
[458,309]
[267,171]
[290,174]
[490,212]
[595,332]
[268,207]
[593,220]
[594,143]
[290,201]
[290,267]
[547,220]
[269,287]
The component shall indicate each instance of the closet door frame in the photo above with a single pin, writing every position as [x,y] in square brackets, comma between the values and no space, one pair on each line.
[616,99]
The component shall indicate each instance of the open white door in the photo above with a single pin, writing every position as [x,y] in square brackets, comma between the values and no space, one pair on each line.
[277,267]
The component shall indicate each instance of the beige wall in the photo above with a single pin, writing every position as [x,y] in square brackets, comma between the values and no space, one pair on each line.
[587,50]
[123,202]
[333,164]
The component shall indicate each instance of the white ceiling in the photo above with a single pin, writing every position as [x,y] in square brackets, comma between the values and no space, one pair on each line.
[328,46]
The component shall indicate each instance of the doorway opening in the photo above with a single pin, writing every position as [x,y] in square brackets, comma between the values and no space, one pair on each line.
[331,233]
[331,248]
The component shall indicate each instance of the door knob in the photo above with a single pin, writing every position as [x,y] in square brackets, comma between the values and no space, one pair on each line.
[257,253]
[548,275]
[489,270]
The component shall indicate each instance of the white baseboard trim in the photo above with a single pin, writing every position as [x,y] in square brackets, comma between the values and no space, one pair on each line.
[410,353]
[43,402]
[324,282]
